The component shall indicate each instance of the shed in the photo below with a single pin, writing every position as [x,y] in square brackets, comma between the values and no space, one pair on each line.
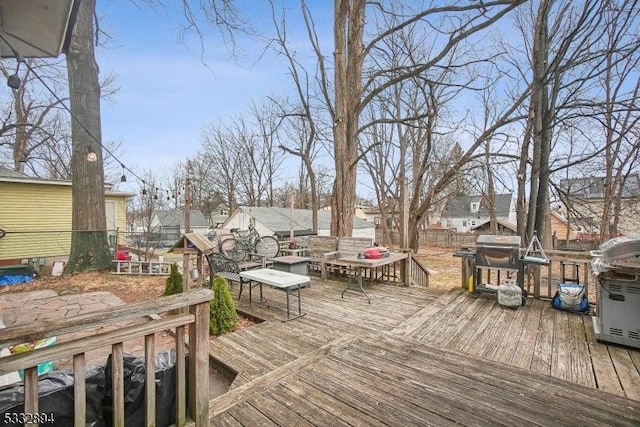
[275,221]
[504,228]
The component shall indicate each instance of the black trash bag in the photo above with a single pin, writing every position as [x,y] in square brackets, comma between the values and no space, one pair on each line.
[95,386]
[134,389]
[55,399]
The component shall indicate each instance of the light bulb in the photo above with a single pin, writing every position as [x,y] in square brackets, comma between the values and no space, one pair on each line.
[92,157]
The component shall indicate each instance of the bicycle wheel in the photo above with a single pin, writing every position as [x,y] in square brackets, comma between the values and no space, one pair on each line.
[230,248]
[267,246]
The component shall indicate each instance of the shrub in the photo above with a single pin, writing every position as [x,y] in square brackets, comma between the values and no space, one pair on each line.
[173,285]
[222,316]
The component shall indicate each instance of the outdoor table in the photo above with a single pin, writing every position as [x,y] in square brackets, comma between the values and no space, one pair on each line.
[291,264]
[362,264]
[277,279]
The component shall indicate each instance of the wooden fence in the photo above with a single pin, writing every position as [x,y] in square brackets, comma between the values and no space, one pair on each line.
[186,309]
[440,238]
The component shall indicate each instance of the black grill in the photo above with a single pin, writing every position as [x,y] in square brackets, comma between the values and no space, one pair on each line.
[495,251]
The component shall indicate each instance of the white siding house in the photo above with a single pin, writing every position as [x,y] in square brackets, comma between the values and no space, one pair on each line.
[464,213]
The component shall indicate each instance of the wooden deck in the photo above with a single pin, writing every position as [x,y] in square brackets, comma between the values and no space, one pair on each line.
[421,356]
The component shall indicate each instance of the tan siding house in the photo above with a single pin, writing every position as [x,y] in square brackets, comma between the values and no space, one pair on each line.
[36,216]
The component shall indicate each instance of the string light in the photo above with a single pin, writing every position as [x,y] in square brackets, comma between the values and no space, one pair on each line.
[92,157]
[14,81]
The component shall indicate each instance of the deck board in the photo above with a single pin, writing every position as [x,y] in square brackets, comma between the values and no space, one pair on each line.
[523,354]
[542,352]
[627,371]
[416,356]
[327,402]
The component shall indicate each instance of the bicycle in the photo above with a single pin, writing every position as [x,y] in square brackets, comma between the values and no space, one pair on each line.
[249,241]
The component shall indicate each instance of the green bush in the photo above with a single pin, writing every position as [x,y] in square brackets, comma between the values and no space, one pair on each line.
[222,316]
[173,285]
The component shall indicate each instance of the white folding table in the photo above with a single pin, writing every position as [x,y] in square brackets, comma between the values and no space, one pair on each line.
[277,279]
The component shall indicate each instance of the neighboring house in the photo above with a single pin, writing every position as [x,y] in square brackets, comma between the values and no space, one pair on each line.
[561,228]
[168,225]
[585,204]
[36,214]
[219,215]
[464,213]
[278,222]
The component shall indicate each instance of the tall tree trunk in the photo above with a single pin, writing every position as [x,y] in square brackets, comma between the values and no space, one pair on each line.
[490,199]
[539,99]
[89,247]
[521,204]
[348,39]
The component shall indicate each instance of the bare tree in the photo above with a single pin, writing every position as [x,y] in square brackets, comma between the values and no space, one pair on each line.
[565,60]
[222,156]
[142,209]
[30,121]
[268,158]
[352,94]
[620,112]
[89,246]
[303,120]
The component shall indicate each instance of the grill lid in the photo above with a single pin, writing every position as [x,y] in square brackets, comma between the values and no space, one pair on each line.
[497,240]
[618,253]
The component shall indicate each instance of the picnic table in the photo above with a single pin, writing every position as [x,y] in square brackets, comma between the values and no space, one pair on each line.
[362,264]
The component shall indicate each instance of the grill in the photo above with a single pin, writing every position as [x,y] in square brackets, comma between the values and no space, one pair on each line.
[498,252]
[617,269]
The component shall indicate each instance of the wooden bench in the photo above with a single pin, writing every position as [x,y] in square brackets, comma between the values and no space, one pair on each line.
[229,269]
[347,246]
[317,247]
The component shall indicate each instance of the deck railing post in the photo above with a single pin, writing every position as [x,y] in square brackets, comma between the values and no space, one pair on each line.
[198,389]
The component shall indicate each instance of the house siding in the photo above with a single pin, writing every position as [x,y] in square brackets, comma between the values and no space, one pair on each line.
[121,216]
[37,219]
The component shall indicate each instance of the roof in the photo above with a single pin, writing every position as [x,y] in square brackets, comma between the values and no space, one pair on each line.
[593,187]
[278,219]
[194,240]
[460,206]
[175,217]
[6,172]
[502,225]
[9,175]
[36,28]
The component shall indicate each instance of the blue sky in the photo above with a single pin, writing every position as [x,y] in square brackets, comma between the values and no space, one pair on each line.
[167,94]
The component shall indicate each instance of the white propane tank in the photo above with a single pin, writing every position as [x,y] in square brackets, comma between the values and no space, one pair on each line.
[510,294]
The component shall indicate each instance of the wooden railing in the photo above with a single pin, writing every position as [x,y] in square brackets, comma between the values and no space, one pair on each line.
[418,273]
[414,273]
[187,309]
[541,281]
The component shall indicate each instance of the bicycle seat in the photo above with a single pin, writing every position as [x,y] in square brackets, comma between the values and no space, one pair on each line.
[234,230]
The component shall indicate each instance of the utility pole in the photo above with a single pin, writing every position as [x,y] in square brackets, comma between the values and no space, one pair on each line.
[186,259]
[291,231]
